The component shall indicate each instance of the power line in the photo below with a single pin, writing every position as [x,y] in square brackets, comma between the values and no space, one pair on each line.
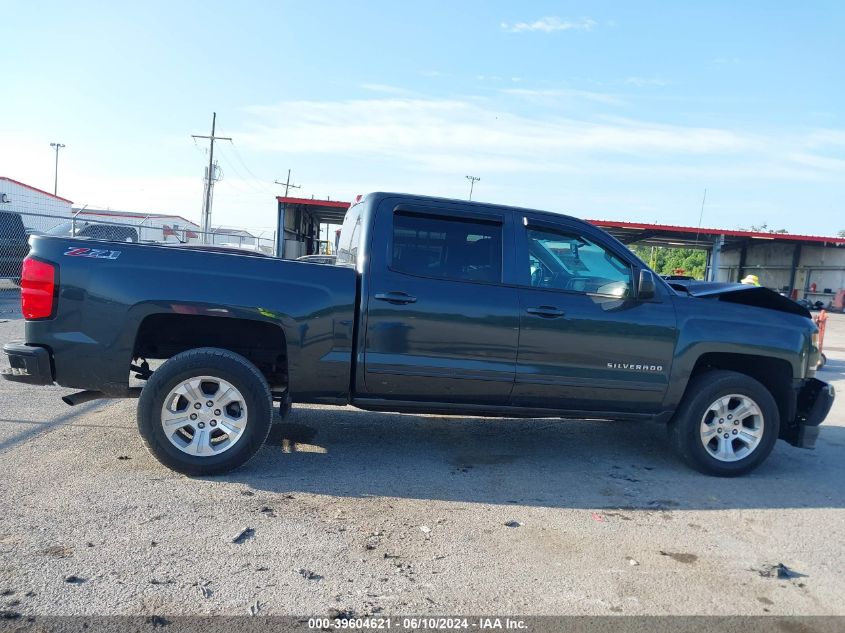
[256,183]
[246,167]
[251,183]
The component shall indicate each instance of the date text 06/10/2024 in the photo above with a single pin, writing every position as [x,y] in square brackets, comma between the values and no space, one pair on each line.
[420,623]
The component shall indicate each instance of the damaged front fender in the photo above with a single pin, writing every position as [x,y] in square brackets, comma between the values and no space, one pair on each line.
[741,294]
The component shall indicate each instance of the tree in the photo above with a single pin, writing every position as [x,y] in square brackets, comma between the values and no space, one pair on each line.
[841,233]
[764,228]
[665,261]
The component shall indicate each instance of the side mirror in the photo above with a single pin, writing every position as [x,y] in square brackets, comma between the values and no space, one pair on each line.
[647,288]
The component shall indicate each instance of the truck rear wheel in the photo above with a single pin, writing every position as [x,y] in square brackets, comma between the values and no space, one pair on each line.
[726,425]
[205,411]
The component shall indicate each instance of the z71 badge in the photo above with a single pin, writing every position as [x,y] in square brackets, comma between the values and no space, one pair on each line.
[97,253]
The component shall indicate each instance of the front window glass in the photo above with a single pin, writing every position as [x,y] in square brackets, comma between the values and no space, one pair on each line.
[564,261]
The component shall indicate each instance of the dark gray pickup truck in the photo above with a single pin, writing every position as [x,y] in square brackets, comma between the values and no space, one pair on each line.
[438,306]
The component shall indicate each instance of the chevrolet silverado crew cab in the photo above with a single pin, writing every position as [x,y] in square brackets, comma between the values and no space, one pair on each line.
[432,305]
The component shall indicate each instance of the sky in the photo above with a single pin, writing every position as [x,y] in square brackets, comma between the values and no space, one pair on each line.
[602,110]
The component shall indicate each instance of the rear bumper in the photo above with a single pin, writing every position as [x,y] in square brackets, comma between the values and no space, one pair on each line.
[27,364]
[814,401]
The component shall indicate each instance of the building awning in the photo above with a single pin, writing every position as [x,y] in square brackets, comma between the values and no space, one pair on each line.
[668,235]
[324,211]
[694,237]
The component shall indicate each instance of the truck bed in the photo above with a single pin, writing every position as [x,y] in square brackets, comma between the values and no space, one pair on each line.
[108,293]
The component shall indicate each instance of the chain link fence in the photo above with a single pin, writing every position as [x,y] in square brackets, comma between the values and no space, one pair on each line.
[17,227]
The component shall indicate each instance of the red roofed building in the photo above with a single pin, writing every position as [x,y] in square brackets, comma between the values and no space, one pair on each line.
[38,208]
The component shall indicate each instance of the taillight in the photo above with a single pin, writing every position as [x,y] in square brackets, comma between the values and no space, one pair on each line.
[38,288]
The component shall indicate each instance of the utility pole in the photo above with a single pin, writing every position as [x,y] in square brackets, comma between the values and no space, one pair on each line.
[206,209]
[280,219]
[472,181]
[288,185]
[58,146]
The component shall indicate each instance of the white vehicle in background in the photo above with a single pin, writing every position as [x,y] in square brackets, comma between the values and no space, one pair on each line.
[255,248]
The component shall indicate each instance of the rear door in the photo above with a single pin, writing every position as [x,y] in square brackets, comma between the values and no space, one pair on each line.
[586,342]
[440,324]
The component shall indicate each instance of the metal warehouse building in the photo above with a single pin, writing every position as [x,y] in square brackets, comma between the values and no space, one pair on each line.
[804,266]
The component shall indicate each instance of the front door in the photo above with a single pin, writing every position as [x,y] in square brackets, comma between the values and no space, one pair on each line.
[586,343]
[440,325]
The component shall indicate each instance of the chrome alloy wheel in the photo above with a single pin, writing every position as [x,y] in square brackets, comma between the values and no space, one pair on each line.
[204,416]
[732,428]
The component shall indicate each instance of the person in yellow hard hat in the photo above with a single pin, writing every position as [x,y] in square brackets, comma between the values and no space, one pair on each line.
[750,280]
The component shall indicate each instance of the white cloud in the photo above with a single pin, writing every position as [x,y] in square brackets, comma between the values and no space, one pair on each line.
[385,89]
[549,25]
[441,136]
[641,82]
[826,138]
[558,94]
[421,130]
[527,154]
[825,163]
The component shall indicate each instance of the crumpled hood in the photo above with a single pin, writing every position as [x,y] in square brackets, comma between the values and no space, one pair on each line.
[740,293]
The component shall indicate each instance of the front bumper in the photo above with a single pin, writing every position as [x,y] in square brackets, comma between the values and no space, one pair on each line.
[27,364]
[814,401]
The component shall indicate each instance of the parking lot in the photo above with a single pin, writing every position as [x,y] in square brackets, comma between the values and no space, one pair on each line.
[371,513]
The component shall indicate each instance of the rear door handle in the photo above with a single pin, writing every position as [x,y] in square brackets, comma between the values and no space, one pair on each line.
[547,312]
[395,297]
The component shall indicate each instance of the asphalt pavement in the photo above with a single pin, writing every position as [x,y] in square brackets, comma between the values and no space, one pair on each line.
[372,513]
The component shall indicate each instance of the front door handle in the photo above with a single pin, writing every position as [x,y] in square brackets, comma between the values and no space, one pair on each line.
[398,298]
[547,312]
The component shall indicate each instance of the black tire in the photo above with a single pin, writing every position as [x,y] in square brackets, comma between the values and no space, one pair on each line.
[206,361]
[704,390]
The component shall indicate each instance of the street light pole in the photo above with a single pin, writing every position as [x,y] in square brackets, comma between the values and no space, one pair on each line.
[472,181]
[58,146]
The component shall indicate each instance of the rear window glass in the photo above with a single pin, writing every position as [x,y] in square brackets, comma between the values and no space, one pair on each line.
[434,246]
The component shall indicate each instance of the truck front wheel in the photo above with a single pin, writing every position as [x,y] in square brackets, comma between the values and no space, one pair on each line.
[726,425]
[205,411]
